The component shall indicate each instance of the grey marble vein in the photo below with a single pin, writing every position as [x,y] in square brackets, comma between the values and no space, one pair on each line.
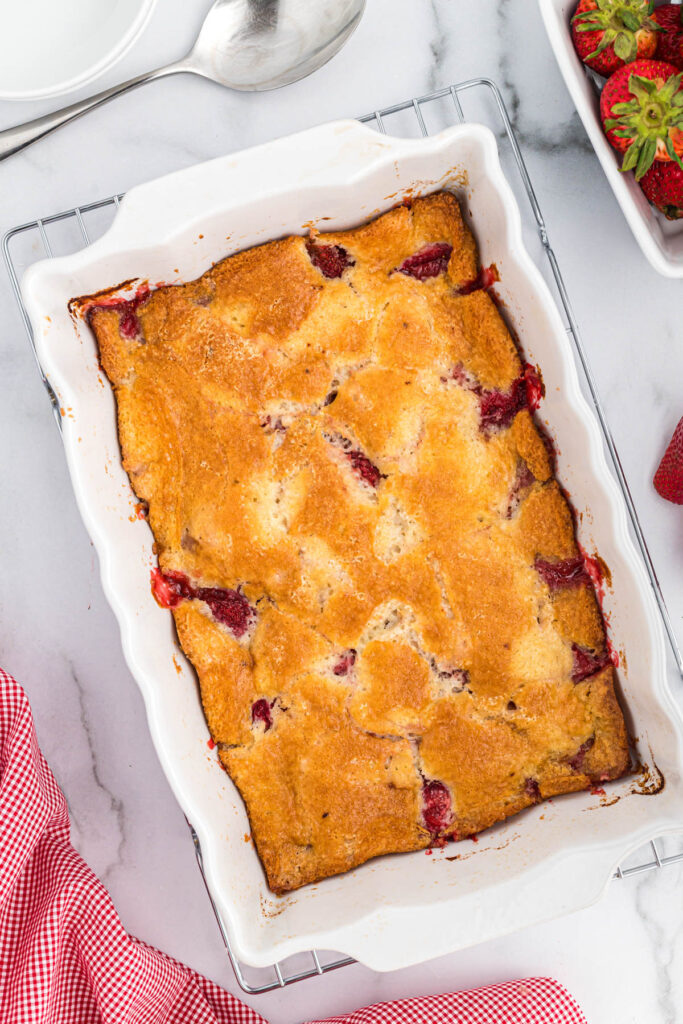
[663,937]
[544,137]
[114,803]
[438,43]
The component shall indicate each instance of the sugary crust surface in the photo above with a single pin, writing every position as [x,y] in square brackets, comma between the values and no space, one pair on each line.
[319,446]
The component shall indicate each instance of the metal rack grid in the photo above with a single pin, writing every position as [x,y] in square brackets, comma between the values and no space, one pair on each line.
[423,115]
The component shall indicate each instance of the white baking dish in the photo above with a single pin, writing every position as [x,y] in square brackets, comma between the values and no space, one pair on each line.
[660,239]
[401,909]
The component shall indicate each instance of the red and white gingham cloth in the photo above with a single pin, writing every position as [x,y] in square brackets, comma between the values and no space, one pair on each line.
[66,959]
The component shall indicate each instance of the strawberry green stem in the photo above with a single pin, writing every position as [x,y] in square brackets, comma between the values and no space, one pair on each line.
[651,120]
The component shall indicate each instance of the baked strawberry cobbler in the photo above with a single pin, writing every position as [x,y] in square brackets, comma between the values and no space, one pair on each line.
[366,554]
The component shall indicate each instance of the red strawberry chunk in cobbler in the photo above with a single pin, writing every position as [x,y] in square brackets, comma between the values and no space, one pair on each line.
[362,466]
[436,805]
[587,663]
[261,712]
[428,262]
[486,277]
[170,588]
[129,324]
[570,572]
[535,388]
[498,408]
[576,762]
[345,663]
[524,479]
[532,789]
[230,607]
[129,321]
[330,260]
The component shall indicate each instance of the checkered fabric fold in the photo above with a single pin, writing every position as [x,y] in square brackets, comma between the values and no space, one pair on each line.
[532,1001]
[65,957]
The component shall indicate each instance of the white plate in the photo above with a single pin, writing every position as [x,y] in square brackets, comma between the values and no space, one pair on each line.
[50,47]
[660,239]
[401,909]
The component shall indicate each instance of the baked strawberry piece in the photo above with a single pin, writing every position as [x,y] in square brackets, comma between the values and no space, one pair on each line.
[436,806]
[668,479]
[229,607]
[331,260]
[609,33]
[428,262]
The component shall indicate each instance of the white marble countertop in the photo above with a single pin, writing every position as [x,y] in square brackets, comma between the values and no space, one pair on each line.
[622,958]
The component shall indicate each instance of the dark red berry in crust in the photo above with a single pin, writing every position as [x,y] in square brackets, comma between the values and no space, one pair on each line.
[260,712]
[576,762]
[129,321]
[170,588]
[498,408]
[362,466]
[436,806]
[532,789]
[331,260]
[428,262]
[524,479]
[486,277]
[587,663]
[570,572]
[535,388]
[129,324]
[345,663]
[230,607]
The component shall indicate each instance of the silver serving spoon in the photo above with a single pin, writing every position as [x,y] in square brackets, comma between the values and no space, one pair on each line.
[251,45]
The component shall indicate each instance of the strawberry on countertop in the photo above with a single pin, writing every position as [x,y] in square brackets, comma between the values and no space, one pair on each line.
[609,33]
[642,111]
[668,479]
[669,17]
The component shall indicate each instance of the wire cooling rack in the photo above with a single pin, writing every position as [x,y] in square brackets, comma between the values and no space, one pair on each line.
[476,100]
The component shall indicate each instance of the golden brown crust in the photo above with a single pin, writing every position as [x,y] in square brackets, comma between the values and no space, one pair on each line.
[317,449]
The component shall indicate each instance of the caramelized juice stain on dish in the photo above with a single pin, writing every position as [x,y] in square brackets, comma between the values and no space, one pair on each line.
[80,305]
[271,909]
[649,780]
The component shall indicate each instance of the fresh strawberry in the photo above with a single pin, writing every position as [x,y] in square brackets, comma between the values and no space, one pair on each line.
[609,33]
[663,186]
[668,479]
[642,110]
[669,17]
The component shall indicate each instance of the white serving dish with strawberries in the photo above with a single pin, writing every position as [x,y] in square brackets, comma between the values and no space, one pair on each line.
[660,239]
[403,909]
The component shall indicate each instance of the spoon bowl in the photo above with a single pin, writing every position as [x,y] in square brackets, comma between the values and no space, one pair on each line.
[249,45]
[255,45]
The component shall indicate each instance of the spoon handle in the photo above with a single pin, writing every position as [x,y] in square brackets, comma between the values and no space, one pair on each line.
[12,140]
